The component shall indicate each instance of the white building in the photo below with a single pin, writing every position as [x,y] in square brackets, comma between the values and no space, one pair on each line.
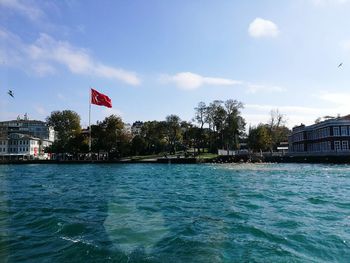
[25,139]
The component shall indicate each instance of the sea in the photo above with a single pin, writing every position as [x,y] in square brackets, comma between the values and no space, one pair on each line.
[175,213]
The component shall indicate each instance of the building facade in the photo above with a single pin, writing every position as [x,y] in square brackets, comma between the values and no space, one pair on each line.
[34,128]
[25,139]
[329,137]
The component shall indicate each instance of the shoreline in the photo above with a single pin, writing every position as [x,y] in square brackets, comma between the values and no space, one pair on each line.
[192,160]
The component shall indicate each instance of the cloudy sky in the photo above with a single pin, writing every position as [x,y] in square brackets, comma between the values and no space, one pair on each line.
[154,58]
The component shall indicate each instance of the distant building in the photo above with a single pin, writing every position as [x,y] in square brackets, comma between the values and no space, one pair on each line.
[331,136]
[38,129]
[25,138]
[136,128]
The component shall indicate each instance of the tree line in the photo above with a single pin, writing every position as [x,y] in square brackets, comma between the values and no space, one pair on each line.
[218,125]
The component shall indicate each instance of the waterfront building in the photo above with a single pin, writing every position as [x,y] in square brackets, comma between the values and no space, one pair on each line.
[23,138]
[38,129]
[328,137]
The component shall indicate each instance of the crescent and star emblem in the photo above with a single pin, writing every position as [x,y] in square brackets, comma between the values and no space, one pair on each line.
[96,98]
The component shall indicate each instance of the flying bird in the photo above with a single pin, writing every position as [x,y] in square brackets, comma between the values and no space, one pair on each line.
[340,65]
[10,92]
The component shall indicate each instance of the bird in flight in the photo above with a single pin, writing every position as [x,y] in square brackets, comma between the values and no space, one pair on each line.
[340,65]
[10,92]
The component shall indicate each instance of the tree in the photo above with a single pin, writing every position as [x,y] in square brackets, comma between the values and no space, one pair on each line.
[186,134]
[67,125]
[138,145]
[79,143]
[154,133]
[200,114]
[110,136]
[277,119]
[173,131]
[259,138]
[215,119]
[226,125]
[234,125]
[279,132]
[200,117]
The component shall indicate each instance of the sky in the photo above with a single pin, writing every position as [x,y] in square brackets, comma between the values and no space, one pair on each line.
[155,58]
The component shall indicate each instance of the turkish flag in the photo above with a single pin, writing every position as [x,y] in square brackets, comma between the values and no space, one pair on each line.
[100,99]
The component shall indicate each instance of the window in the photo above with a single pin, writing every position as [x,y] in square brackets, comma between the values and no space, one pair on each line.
[337,146]
[344,130]
[345,145]
[336,131]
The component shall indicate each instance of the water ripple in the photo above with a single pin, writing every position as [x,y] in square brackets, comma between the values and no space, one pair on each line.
[175,213]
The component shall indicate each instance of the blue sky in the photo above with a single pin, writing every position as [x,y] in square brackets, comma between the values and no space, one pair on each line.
[154,58]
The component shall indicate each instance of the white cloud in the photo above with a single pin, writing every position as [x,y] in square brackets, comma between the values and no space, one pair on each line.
[46,53]
[23,7]
[286,109]
[263,28]
[191,81]
[295,115]
[257,113]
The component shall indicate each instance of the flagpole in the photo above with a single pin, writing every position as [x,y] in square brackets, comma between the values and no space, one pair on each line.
[90,121]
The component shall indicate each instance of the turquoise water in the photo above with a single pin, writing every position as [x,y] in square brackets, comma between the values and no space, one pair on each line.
[175,213]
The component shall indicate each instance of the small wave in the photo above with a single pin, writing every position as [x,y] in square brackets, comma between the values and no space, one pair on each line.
[77,240]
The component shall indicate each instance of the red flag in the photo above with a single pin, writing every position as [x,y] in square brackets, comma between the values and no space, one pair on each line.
[100,99]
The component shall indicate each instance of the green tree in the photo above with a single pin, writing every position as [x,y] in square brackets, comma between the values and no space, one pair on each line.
[79,143]
[226,125]
[234,124]
[67,125]
[110,136]
[215,117]
[154,133]
[259,138]
[200,117]
[173,131]
[139,146]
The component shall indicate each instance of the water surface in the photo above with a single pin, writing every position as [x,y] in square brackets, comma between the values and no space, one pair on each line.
[175,213]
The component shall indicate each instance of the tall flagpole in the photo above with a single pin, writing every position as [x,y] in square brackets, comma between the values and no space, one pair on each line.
[90,121]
